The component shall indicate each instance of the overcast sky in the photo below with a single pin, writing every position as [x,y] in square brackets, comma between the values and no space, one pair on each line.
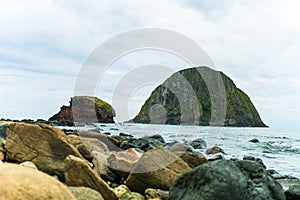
[43,45]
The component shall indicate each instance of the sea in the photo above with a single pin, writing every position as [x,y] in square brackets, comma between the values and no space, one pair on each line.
[279,149]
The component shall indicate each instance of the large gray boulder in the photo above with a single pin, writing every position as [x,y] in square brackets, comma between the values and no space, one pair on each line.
[227,180]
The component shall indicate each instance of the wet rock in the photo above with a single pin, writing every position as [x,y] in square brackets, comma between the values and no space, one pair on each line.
[151,193]
[126,145]
[180,147]
[254,140]
[144,143]
[198,144]
[293,193]
[287,183]
[215,157]
[193,159]
[158,168]
[19,182]
[117,140]
[215,150]
[227,180]
[255,159]
[79,173]
[44,145]
[84,193]
[277,175]
[125,135]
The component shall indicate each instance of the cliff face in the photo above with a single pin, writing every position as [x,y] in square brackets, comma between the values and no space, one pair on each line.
[86,109]
[166,106]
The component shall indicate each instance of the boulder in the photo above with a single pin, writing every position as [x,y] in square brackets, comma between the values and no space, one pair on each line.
[254,140]
[215,150]
[151,193]
[145,143]
[116,140]
[87,145]
[132,196]
[44,145]
[121,190]
[126,145]
[24,183]
[122,162]
[101,166]
[259,160]
[84,193]
[108,141]
[180,147]
[227,180]
[193,159]
[158,168]
[198,144]
[79,173]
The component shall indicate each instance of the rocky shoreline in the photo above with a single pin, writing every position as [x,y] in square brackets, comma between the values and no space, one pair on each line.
[40,161]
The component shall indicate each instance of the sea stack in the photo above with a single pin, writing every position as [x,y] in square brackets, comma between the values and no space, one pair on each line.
[85,109]
[166,108]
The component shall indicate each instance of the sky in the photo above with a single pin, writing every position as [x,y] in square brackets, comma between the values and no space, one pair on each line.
[44,44]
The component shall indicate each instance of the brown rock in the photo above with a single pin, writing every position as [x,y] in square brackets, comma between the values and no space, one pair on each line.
[117,140]
[193,159]
[156,194]
[84,193]
[158,168]
[23,183]
[102,137]
[44,145]
[214,150]
[123,161]
[121,190]
[179,147]
[132,196]
[79,173]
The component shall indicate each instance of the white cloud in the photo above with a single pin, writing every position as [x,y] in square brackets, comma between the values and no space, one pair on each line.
[45,42]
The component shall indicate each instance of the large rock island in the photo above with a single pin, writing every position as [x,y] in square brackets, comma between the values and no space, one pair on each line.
[85,109]
[167,108]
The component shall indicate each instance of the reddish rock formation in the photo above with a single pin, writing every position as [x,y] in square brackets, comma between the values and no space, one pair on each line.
[85,109]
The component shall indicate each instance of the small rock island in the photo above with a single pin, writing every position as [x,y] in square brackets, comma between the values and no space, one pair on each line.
[85,109]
